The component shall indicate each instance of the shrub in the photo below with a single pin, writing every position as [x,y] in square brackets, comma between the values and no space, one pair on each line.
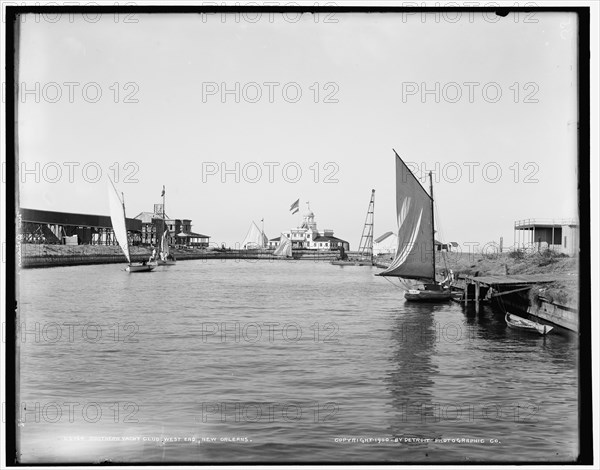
[517,254]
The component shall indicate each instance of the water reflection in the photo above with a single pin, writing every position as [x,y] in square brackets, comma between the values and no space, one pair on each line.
[411,371]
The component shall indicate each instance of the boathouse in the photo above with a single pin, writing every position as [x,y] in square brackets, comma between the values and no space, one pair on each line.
[180,230]
[559,235]
[67,228]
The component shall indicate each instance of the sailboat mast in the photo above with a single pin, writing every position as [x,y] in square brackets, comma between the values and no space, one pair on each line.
[125,220]
[164,226]
[432,223]
[372,225]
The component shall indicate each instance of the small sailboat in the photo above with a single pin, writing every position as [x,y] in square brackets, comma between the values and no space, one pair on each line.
[415,255]
[117,217]
[284,249]
[255,238]
[164,256]
[518,323]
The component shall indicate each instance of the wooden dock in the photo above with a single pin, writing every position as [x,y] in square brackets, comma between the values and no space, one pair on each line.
[505,280]
[479,288]
[561,315]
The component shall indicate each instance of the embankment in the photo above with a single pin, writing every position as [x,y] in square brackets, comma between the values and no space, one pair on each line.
[44,256]
[564,294]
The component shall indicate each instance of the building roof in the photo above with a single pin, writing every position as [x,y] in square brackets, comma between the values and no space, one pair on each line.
[146,217]
[329,238]
[191,235]
[541,223]
[383,237]
[74,219]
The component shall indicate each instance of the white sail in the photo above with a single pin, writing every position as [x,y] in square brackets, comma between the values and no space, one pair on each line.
[414,254]
[117,217]
[164,244]
[284,248]
[254,238]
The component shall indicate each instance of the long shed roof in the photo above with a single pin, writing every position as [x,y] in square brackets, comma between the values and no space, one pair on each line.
[74,219]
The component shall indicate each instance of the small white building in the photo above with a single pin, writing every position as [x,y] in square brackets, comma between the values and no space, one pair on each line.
[307,236]
[561,235]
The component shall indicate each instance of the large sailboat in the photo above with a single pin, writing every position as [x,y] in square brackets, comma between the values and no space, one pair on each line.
[415,255]
[117,217]
[164,256]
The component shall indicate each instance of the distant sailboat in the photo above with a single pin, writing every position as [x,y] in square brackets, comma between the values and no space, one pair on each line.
[164,256]
[285,247]
[415,255]
[255,238]
[117,217]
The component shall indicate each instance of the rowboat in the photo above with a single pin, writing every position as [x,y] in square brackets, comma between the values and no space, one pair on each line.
[518,323]
[140,267]
[429,293]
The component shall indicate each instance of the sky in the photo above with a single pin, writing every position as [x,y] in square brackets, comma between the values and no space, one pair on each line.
[239,116]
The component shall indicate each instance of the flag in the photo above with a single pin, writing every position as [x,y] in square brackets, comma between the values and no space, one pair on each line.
[295,207]
[163,192]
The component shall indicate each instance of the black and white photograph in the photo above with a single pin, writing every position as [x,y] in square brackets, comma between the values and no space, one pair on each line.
[316,233]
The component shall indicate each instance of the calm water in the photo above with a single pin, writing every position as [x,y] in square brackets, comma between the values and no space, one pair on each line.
[279,361]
